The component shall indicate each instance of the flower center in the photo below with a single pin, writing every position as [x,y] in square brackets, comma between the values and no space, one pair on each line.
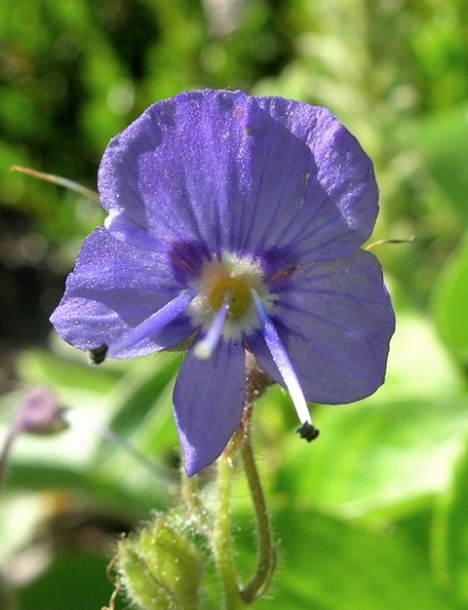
[224,296]
[233,291]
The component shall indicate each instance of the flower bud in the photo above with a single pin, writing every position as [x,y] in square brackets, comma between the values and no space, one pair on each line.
[40,413]
[160,569]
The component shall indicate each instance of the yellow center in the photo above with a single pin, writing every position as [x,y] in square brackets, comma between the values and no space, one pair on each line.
[229,281]
[233,290]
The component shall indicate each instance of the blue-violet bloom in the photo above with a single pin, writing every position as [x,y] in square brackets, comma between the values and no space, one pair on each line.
[235,223]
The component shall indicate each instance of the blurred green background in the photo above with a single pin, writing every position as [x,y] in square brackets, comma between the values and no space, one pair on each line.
[372,516]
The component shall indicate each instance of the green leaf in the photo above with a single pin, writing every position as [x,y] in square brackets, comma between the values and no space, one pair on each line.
[373,457]
[138,402]
[388,451]
[444,141]
[418,364]
[44,368]
[75,581]
[330,564]
[449,303]
[451,534]
[105,489]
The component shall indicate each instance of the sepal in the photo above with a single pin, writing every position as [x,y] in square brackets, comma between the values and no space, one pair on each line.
[160,569]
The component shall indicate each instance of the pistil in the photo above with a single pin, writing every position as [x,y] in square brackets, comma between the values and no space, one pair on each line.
[205,347]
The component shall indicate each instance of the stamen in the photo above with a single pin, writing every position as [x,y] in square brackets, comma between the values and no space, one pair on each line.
[205,347]
[97,355]
[151,325]
[308,431]
[281,359]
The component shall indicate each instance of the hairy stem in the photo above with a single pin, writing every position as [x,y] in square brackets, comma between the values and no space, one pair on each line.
[193,503]
[236,598]
[222,538]
[266,562]
[5,453]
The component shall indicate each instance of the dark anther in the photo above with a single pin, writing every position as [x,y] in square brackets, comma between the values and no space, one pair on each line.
[308,431]
[98,354]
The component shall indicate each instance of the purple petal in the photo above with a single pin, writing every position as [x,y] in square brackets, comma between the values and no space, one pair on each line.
[239,173]
[169,171]
[126,230]
[209,399]
[152,325]
[313,193]
[113,289]
[335,320]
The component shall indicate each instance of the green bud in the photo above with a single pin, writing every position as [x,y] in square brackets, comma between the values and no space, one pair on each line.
[140,586]
[160,569]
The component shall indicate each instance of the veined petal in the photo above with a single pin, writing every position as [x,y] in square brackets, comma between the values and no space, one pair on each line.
[127,230]
[335,320]
[312,191]
[240,174]
[209,399]
[152,325]
[170,171]
[113,289]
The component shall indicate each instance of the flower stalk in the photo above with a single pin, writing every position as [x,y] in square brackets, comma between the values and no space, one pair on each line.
[237,597]
[222,542]
[257,383]
[266,562]
[194,507]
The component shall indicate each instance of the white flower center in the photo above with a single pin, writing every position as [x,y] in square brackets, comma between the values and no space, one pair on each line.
[229,283]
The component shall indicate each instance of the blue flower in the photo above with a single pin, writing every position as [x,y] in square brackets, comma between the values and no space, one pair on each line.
[235,223]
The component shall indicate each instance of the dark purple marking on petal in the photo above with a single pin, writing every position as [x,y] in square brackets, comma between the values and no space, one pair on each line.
[209,399]
[187,260]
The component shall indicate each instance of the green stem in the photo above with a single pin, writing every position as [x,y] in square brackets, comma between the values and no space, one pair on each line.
[5,453]
[65,182]
[236,599]
[266,551]
[193,503]
[222,538]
